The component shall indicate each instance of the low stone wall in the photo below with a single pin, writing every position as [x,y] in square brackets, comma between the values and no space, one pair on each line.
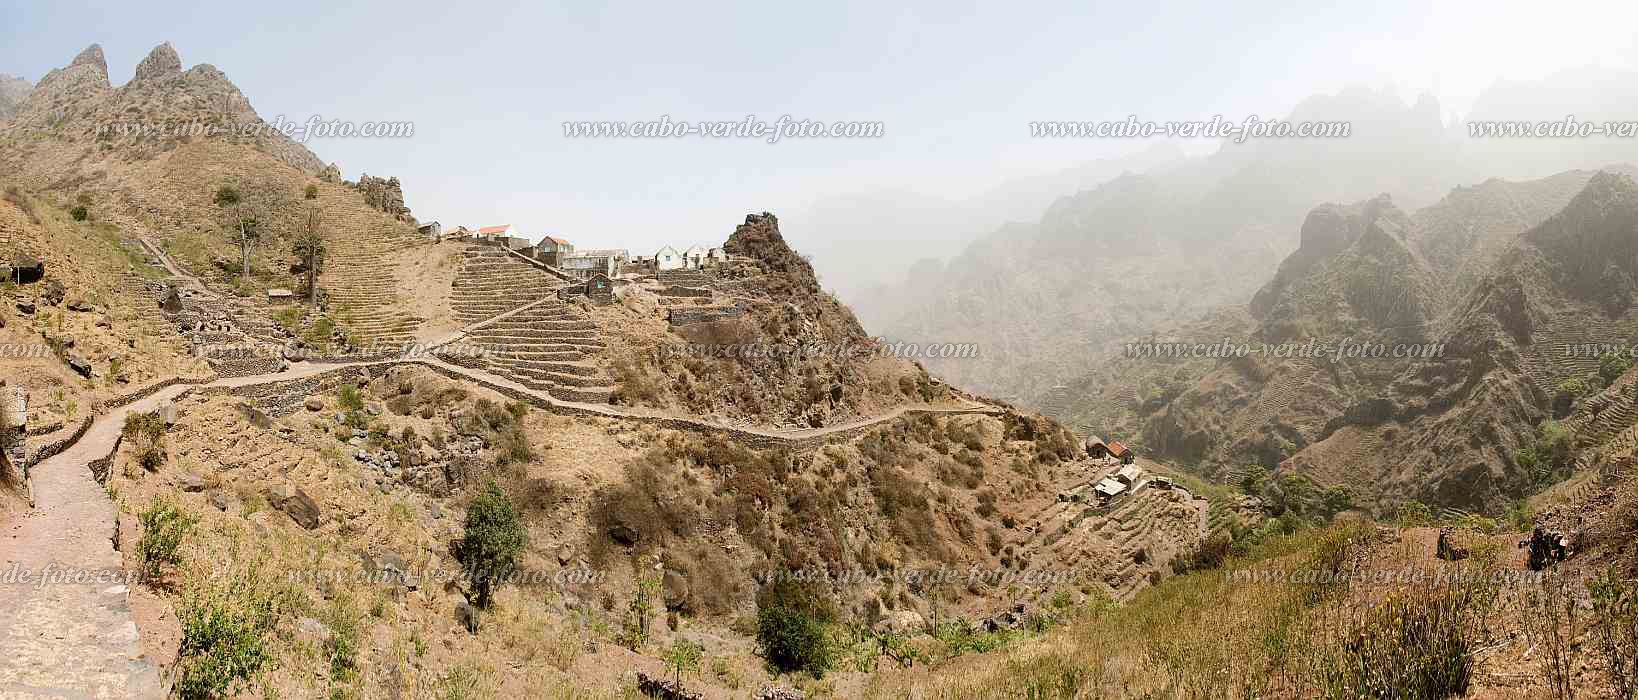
[150,390]
[55,447]
[101,465]
[680,292]
[702,314]
[286,397]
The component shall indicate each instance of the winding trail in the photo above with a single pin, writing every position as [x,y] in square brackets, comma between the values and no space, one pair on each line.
[78,639]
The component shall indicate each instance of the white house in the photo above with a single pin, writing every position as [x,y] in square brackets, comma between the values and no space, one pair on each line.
[694,257]
[668,258]
[716,256]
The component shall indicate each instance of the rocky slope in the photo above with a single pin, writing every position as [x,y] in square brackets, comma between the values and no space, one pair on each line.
[13,90]
[1446,426]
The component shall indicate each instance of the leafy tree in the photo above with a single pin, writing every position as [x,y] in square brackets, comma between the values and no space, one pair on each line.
[1336,499]
[250,212]
[1612,365]
[311,192]
[1253,480]
[489,548]
[309,245]
[792,627]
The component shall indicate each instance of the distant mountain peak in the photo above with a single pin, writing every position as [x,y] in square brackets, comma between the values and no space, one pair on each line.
[91,56]
[163,62]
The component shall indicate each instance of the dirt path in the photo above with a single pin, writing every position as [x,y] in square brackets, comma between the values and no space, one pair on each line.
[71,638]
[78,639]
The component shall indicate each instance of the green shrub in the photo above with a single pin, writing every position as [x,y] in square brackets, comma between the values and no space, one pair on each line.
[311,192]
[684,657]
[146,434]
[80,213]
[792,627]
[164,525]
[513,444]
[1611,366]
[342,646]
[224,635]
[349,398]
[490,545]
[226,195]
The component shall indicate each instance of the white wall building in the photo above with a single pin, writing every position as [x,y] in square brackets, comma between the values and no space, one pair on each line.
[668,258]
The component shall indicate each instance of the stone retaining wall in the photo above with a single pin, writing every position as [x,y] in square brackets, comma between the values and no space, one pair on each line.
[676,291]
[150,390]
[702,314]
[52,449]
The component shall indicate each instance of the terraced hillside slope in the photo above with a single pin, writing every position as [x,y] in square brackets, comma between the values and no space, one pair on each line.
[1516,346]
[754,341]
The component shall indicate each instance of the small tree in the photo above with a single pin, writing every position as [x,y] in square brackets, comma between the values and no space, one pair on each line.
[251,212]
[309,246]
[489,548]
[311,192]
[1612,365]
[684,656]
[792,627]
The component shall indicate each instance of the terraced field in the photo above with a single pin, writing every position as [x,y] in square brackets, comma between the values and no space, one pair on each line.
[546,345]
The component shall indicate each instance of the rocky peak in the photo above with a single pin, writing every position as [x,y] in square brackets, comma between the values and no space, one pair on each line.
[162,62]
[86,74]
[91,56]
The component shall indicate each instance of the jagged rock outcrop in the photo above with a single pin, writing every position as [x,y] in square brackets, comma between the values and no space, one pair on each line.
[386,195]
[161,63]
[62,92]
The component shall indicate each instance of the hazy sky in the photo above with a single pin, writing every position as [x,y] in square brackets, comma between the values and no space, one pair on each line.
[488,86]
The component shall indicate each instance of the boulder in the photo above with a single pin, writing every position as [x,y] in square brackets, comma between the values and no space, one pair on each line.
[192,483]
[279,295]
[172,303]
[1447,549]
[27,270]
[624,535]
[256,416]
[678,595]
[80,365]
[466,615]
[167,411]
[52,293]
[901,622]
[314,404]
[296,504]
[25,307]
[220,500]
[79,305]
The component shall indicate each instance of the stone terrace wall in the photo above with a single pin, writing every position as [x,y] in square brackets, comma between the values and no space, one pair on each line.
[702,314]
